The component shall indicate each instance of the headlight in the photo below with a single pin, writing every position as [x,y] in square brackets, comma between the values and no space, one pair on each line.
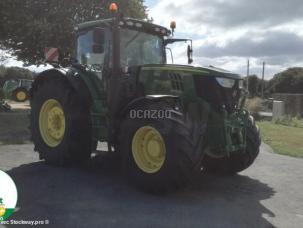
[226,82]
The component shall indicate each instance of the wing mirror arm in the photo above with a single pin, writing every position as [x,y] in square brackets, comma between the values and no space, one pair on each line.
[190,52]
[171,54]
[189,47]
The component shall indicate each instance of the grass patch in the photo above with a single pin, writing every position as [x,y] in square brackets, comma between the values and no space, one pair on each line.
[286,140]
[290,121]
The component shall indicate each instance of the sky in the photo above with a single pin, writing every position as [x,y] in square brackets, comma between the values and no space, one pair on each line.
[227,33]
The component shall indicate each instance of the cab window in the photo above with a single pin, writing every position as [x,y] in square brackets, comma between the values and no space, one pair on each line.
[91,49]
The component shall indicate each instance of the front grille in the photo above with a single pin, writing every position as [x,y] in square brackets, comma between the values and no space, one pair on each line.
[217,96]
[176,81]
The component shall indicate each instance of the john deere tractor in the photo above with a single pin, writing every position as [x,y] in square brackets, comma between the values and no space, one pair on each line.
[17,89]
[165,122]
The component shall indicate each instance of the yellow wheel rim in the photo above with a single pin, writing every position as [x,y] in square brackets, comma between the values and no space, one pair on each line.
[148,149]
[52,122]
[2,210]
[21,96]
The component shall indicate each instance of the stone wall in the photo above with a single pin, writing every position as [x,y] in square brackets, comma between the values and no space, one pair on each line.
[293,103]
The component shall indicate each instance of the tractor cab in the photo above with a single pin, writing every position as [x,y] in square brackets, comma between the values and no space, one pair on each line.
[120,43]
[118,50]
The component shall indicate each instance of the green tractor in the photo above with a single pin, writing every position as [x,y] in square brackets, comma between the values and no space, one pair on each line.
[17,89]
[165,122]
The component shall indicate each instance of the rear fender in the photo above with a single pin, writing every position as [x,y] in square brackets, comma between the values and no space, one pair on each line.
[58,74]
[87,91]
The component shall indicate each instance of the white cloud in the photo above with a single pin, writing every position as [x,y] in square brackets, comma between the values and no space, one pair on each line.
[228,32]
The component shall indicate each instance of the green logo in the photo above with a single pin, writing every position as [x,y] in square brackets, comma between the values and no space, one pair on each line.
[8,196]
[2,208]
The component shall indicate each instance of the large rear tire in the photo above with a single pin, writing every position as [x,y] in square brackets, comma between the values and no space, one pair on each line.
[158,154]
[60,123]
[238,161]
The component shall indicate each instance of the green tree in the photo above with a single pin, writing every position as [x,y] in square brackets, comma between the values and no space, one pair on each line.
[28,26]
[289,81]
[8,73]
[253,85]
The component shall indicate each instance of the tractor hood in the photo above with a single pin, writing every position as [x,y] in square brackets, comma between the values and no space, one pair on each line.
[216,86]
[191,70]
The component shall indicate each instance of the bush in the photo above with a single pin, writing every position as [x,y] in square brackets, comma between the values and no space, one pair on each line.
[254,106]
[290,121]
[298,116]
[10,73]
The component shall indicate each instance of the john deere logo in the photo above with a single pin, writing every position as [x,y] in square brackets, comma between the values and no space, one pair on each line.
[8,196]
[2,208]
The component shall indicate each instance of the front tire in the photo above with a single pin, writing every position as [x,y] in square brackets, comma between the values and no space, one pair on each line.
[158,153]
[238,161]
[60,123]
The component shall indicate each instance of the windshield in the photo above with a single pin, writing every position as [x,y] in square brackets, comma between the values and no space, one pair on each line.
[139,48]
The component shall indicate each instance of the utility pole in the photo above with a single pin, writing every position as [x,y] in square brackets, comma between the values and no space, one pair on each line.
[262,86]
[248,65]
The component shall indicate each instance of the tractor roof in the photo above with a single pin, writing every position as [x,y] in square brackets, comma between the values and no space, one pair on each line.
[130,23]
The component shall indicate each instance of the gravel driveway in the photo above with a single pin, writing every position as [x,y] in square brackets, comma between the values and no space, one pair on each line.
[269,194]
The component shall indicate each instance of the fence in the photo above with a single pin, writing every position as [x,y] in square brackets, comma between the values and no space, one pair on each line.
[293,103]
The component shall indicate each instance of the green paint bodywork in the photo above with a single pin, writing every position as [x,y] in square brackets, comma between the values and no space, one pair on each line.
[99,108]
[221,126]
[178,81]
[223,129]
[8,213]
[9,87]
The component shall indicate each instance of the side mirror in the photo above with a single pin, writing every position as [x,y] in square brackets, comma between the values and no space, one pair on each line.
[190,54]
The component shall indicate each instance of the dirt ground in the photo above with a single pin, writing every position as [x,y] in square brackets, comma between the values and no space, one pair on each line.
[14,125]
[269,194]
